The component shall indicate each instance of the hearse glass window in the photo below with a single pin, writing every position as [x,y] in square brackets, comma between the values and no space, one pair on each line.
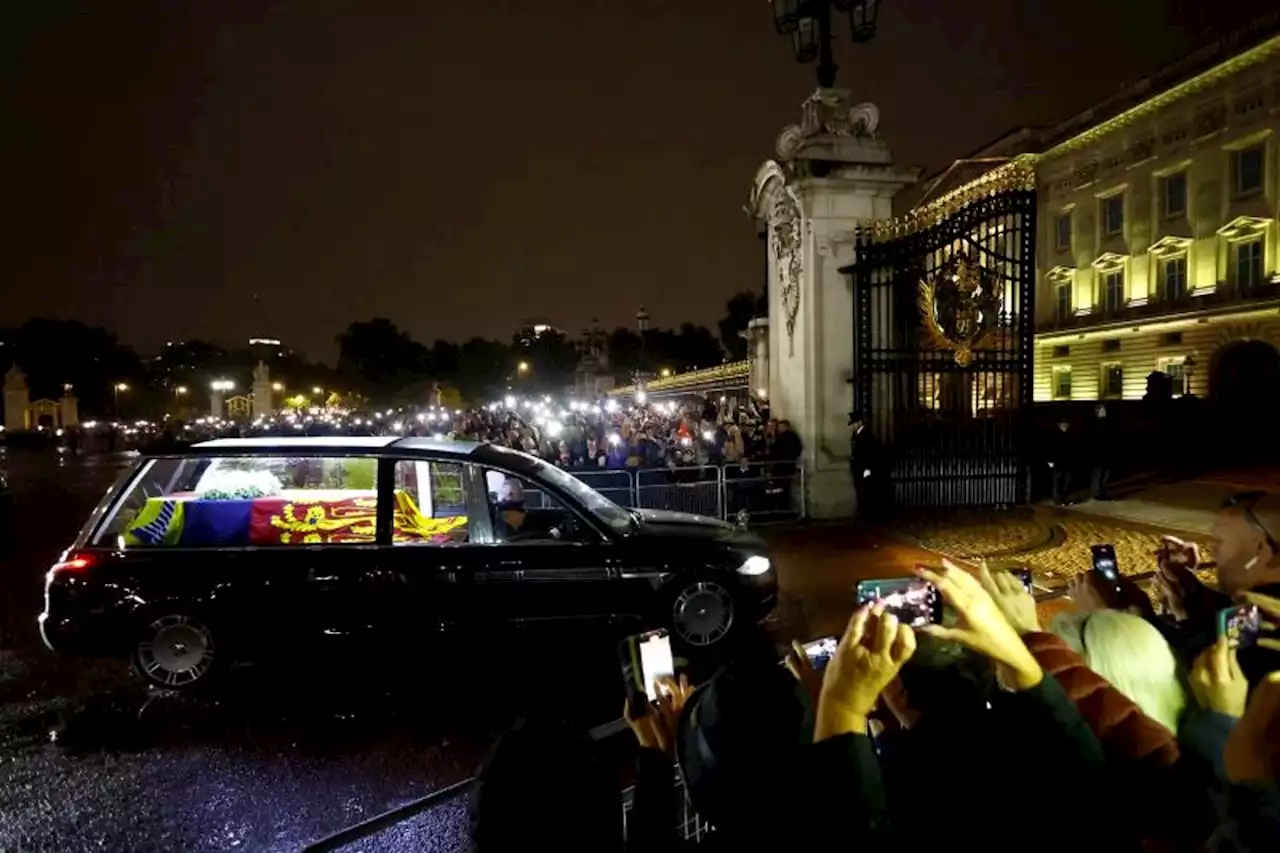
[430,503]
[242,501]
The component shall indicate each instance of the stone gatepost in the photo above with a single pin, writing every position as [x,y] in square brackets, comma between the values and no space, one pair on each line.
[17,401]
[217,403]
[262,400]
[69,407]
[833,174]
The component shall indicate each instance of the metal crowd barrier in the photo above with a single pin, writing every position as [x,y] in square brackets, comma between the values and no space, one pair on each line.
[760,492]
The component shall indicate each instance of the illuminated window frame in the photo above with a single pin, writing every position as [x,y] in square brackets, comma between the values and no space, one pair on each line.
[1104,374]
[1107,265]
[1180,375]
[1056,389]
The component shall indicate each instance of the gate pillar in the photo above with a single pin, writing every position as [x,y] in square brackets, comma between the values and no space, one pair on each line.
[833,174]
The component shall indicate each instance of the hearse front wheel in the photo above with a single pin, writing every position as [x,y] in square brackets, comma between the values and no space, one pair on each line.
[174,651]
[703,610]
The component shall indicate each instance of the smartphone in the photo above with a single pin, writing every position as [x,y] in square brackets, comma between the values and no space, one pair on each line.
[820,652]
[1024,575]
[1240,625]
[645,658]
[914,601]
[1104,563]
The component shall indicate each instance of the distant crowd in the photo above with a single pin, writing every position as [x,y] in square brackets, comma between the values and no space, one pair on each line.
[661,435]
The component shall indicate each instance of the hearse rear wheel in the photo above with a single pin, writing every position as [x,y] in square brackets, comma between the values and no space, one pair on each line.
[703,611]
[174,652]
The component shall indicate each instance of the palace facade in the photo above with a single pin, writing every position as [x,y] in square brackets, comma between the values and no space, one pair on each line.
[1157,232]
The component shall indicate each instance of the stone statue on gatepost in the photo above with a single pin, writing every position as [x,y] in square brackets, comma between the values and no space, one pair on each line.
[17,401]
[833,174]
[262,401]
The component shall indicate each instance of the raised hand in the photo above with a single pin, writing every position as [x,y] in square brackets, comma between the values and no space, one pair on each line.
[981,626]
[799,665]
[656,729]
[1251,754]
[874,647]
[1217,682]
[1007,591]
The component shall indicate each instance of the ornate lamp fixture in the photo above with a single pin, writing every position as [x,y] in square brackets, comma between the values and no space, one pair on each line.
[808,22]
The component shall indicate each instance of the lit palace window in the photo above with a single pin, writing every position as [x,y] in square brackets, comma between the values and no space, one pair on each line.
[1248,170]
[1173,277]
[1112,215]
[1247,263]
[1112,296]
[1111,381]
[1173,195]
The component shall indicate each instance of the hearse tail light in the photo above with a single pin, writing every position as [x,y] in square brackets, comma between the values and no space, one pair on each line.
[756,565]
[71,563]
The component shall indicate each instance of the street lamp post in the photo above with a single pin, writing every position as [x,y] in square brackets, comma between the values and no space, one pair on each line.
[808,22]
[116,390]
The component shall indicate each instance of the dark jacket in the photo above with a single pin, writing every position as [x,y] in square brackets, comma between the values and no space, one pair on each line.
[1248,814]
[1031,740]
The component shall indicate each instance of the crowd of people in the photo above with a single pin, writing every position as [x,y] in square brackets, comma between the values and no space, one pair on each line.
[573,435]
[658,435]
[1129,723]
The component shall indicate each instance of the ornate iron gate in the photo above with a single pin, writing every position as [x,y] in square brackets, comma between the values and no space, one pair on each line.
[944,316]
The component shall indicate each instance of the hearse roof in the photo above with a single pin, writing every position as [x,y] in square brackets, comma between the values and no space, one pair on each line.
[266,445]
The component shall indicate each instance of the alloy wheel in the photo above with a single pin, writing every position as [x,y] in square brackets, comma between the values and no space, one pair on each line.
[178,653]
[703,613]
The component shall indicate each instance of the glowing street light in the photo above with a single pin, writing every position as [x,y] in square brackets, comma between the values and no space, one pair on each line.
[222,385]
[180,390]
[666,371]
[116,391]
[317,390]
[277,386]
[523,367]
[122,386]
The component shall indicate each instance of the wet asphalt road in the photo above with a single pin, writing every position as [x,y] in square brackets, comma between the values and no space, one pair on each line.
[281,755]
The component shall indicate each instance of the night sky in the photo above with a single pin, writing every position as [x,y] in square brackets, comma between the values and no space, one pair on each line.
[459,166]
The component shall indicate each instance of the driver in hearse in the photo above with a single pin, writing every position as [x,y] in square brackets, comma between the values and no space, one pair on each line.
[511,518]
[510,513]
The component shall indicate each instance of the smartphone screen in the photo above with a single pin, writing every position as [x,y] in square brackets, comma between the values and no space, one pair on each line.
[820,651]
[645,658]
[655,661]
[1104,562]
[1024,575]
[1240,625]
[914,601]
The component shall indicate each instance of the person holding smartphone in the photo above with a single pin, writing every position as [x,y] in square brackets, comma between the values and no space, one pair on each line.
[1247,553]
[1036,710]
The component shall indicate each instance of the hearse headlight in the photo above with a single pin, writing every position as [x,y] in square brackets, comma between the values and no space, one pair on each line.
[756,565]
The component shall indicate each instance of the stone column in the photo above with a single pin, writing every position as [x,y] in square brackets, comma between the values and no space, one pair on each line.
[70,410]
[757,335]
[833,174]
[262,401]
[217,403]
[17,399]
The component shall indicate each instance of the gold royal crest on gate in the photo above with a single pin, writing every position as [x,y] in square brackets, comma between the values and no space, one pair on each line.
[960,305]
